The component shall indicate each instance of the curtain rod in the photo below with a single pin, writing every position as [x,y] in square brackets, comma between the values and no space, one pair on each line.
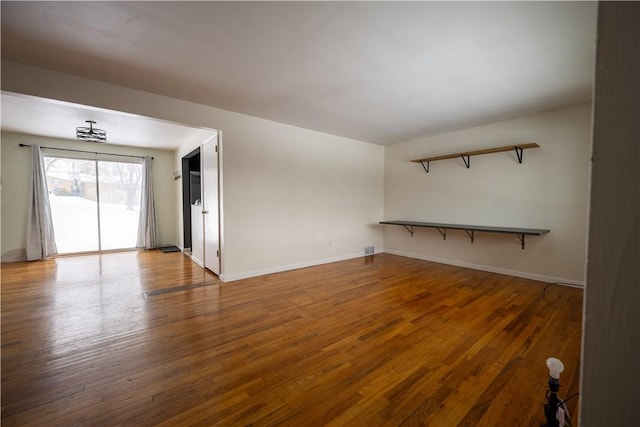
[83,151]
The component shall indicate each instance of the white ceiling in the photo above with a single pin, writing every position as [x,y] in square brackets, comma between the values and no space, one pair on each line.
[43,117]
[381,72]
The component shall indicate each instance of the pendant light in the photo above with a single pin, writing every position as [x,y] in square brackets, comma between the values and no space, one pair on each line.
[91,134]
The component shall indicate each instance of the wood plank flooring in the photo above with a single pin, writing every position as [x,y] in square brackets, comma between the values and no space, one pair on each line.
[382,340]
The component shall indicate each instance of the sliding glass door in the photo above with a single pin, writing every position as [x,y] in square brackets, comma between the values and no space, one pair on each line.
[95,204]
[120,185]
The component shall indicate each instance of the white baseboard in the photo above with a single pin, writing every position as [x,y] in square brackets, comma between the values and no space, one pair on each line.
[279,269]
[14,255]
[491,269]
[196,260]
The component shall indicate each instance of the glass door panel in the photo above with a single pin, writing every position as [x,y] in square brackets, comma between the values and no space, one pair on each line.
[74,208]
[120,185]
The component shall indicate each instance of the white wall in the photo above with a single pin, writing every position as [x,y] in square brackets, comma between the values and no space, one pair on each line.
[548,190]
[291,197]
[16,170]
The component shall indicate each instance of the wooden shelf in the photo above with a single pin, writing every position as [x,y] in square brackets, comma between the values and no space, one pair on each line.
[469,229]
[466,156]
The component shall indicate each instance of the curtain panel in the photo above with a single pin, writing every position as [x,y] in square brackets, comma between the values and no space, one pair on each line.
[148,225]
[41,242]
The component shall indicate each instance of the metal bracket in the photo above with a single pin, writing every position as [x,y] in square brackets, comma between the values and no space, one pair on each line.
[470,234]
[466,158]
[442,231]
[518,153]
[521,238]
[426,169]
[409,228]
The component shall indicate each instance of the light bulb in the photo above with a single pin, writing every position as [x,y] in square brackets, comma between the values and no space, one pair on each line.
[555,367]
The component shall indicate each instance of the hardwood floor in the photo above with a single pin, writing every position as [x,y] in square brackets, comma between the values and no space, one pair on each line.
[381,340]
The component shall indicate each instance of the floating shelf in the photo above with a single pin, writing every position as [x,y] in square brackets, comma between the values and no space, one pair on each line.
[469,229]
[466,156]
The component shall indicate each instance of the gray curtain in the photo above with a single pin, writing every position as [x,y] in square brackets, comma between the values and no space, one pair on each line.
[41,241]
[147,226]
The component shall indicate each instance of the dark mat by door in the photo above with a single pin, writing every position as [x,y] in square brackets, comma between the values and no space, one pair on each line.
[167,249]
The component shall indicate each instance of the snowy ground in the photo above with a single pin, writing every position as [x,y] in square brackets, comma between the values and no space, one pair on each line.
[75,222]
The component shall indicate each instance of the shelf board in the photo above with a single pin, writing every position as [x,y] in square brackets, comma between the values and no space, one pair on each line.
[469,229]
[477,152]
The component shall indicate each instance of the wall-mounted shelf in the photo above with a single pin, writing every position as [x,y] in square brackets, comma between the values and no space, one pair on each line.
[469,229]
[466,156]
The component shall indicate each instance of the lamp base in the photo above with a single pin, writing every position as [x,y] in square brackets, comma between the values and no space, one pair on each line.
[550,415]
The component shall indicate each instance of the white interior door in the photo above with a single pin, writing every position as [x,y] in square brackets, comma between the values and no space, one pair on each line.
[210,201]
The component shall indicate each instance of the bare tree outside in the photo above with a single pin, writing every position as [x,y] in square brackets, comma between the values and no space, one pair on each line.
[130,177]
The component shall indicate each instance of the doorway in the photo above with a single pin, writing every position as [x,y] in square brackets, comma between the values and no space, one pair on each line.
[201,204]
[190,163]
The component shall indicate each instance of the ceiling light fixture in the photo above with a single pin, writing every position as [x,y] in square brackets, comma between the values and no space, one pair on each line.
[91,134]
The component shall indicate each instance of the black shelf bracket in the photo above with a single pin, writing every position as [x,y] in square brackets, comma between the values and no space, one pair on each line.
[442,231]
[519,153]
[409,228]
[470,234]
[426,168]
[466,158]
[521,238]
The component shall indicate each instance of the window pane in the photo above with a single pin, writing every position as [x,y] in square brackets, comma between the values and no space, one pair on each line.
[120,186]
[72,195]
